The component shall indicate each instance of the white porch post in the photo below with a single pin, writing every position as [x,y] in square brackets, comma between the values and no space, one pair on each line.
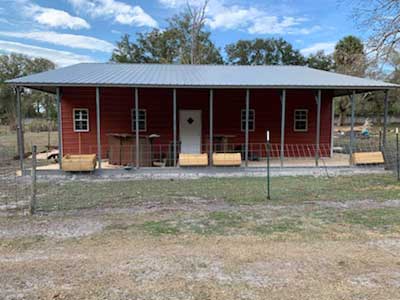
[318,131]
[246,146]
[283,121]
[98,132]
[137,128]
[20,137]
[174,126]
[211,109]
[59,125]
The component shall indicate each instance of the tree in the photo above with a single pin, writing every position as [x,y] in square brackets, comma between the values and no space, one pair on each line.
[126,52]
[394,77]
[197,19]
[183,41]
[263,52]
[350,59]
[320,61]
[382,20]
[16,65]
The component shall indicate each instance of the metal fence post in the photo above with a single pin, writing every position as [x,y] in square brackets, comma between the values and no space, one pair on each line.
[32,206]
[397,154]
[20,133]
[268,169]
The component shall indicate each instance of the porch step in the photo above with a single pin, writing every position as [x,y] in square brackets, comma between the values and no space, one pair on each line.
[193,160]
[227,159]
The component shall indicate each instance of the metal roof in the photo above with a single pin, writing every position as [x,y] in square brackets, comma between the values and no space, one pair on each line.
[197,76]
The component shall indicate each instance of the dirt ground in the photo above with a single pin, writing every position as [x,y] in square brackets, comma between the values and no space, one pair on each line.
[197,248]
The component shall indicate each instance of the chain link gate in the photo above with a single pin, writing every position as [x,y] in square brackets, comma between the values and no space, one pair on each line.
[15,190]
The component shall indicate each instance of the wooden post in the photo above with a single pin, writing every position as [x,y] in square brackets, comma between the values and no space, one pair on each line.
[318,131]
[246,146]
[32,206]
[353,109]
[137,128]
[211,125]
[98,132]
[20,137]
[283,116]
[174,125]
[59,128]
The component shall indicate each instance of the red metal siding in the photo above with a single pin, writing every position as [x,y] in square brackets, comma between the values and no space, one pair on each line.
[117,103]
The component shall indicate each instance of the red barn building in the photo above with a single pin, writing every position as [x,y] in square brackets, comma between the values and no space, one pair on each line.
[194,109]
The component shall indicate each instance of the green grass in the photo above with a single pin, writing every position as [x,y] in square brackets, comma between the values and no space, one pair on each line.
[78,195]
[160,227]
[314,223]
[380,218]
[280,225]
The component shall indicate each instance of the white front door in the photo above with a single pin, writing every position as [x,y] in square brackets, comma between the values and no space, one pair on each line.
[190,131]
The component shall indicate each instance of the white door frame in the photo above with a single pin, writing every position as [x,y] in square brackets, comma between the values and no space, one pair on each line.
[192,146]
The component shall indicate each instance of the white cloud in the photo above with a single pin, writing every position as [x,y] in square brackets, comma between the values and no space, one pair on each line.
[179,3]
[328,48]
[253,19]
[63,39]
[121,12]
[61,58]
[55,18]
[232,17]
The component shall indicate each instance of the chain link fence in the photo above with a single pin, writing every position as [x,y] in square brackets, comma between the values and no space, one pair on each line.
[299,177]
[14,188]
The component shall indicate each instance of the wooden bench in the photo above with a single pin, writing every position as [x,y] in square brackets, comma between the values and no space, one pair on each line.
[193,160]
[366,158]
[79,163]
[227,159]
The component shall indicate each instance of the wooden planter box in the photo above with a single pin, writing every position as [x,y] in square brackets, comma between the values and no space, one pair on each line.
[193,160]
[79,163]
[367,158]
[227,159]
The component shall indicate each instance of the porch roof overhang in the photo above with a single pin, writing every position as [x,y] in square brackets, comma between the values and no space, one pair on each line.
[198,76]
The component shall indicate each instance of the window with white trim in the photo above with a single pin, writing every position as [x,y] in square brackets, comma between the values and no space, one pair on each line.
[142,120]
[252,120]
[81,119]
[301,120]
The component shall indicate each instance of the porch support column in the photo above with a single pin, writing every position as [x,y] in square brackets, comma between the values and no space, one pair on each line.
[385,119]
[332,125]
[20,133]
[352,138]
[137,128]
[246,146]
[211,109]
[283,116]
[59,126]
[174,125]
[98,132]
[318,131]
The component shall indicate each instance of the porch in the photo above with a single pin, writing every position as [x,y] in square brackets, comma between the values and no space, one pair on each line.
[204,122]
[133,121]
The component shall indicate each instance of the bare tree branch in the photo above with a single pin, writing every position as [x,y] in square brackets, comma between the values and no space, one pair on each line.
[198,18]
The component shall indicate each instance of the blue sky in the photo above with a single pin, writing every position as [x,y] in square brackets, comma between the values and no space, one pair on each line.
[73,31]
